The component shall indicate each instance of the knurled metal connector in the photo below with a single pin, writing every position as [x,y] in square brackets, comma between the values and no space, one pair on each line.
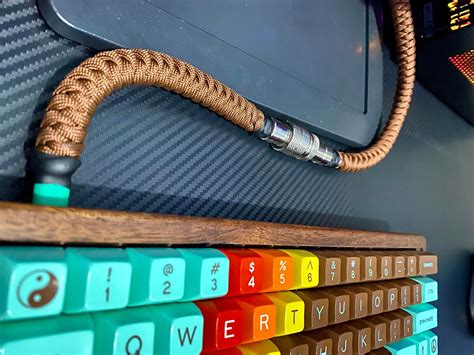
[297,142]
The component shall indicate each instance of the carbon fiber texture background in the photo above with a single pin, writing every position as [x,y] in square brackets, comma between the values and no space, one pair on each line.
[149,150]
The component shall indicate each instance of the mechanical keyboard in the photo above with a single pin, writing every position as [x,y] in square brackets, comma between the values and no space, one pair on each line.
[75,297]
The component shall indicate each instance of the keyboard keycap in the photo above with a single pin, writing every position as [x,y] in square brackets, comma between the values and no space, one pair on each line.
[207,273]
[361,336]
[179,328]
[264,347]
[32,281]
[376,297]
[246,271]
[432,339]
[127,331]
[429,288]
[291,345]
[98,279]
[319,344]
[402,347]
[341,339]
[425,317]
[306,268]
[329,268]
[277,270]
[421,344]
[58,335]
[259,317]
[339,303]
[290,312]
[223,323]
[406,321]
[316,305]
[378,330]
[157,275]
[368,266]
[394,326]
[428,264]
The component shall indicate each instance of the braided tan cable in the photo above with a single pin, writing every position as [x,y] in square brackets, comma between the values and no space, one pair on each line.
[406,55]
[64,126]
[75,100]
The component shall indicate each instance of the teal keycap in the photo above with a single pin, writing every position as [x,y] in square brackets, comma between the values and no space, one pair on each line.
[425,317]
[402,347]
[126,331]
[97,279]
[32,281]
[157,275]
[421,344]
[179,328]
[429,288]
[432,339]
[207,273]
[54,335]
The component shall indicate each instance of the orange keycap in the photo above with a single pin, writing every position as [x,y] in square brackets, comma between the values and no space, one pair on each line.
[259,316]
[277,270]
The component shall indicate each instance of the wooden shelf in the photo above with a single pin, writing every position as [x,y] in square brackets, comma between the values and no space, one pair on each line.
[26,223]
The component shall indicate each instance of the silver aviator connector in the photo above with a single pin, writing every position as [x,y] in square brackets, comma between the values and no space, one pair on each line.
[297,142]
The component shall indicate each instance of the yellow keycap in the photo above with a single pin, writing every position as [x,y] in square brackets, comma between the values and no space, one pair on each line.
[306,268]
[264,347]
[289,312]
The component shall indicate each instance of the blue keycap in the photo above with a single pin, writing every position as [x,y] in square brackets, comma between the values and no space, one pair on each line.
[55,335]
[432,339]
[32,281]
[421,344]
[157,275]
[402,347]
[98,279]
[429,288]
[179,328]
[207,273]
[425,317]
[125,331]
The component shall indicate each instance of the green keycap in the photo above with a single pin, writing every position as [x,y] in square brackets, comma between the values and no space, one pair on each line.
[425,317]
[157,275]
[179,328]
[125,331]
[432,339]
[32,281]
[429,288]
[98,279]
[55,335]
[402,347]
[207,273]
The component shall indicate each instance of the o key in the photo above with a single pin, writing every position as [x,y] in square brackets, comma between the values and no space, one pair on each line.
[223,323]
[246,271]
[278,265]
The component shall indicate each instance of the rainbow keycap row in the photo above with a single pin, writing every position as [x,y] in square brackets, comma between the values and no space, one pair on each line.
[46,281]
[238,323]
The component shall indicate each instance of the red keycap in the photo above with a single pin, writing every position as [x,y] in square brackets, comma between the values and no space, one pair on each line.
[223,319]
[231,351]
[246,271]
[259,317]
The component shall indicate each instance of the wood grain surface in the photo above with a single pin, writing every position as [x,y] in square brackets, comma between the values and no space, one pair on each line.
[26,223]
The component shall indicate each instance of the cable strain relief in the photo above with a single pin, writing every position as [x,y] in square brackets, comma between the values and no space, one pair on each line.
[52,176]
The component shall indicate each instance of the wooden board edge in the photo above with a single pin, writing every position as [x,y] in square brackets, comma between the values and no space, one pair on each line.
[27,223]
